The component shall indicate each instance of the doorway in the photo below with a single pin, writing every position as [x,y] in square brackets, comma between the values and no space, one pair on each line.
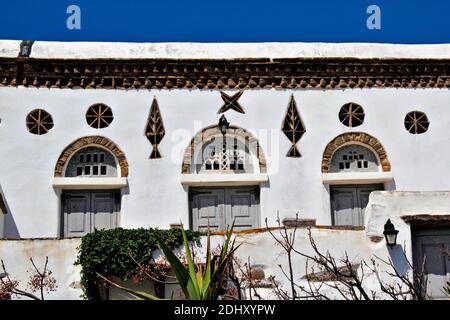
[429,244]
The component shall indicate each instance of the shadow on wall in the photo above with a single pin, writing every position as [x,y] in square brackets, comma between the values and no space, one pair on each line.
[390,186]
[399,259]
[10,227]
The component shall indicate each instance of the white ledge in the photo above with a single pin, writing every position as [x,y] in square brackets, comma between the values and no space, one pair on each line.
[356,177]
[186,50]
[238,179]
[89,183]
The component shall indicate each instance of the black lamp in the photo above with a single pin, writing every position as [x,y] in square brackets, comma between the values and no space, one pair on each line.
[223,124]
[390,234]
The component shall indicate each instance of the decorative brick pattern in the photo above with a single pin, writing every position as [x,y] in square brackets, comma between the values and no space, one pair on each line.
[91,141]
[231,102]
[295,73]
[359,137]
[293,127]
[208,132]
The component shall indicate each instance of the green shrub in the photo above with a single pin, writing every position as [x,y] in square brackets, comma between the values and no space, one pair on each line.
[199,281]
[111,253]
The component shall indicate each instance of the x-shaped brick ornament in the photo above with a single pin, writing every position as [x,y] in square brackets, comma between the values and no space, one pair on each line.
[231,102]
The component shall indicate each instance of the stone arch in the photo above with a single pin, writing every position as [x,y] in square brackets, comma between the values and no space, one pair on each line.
[91,141]
[359,138]
[208,132]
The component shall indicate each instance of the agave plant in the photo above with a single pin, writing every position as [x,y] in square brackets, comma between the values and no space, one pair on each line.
[447,289]
[202,282]
[198,282]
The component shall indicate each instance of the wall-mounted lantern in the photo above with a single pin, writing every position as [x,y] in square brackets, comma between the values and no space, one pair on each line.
[390,233]
[223,124]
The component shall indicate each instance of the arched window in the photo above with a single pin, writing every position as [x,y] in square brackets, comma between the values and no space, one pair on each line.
[354,158]
[223,172]
[209,152]
[90,173]
[354,164]
[92,162]
[230,155]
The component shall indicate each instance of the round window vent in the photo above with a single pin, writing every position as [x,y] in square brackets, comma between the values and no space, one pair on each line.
[416,122]
[99,116]
[39,122]
[351,115]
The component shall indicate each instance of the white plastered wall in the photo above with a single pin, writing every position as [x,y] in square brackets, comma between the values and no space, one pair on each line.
[155,196]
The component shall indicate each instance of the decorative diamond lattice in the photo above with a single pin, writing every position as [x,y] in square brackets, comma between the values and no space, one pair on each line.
[228,156]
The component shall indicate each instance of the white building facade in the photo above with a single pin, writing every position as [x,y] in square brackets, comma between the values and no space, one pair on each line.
[107,135]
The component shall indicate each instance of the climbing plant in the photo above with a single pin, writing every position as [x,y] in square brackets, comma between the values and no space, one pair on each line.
[118,252]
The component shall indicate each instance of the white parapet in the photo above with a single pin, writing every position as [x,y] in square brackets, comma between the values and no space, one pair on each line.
[186,50]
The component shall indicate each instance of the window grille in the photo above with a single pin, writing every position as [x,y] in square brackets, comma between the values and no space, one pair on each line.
[354,158]
[230,155]
[92,162]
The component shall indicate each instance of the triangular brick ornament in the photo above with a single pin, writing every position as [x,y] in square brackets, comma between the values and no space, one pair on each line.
[154,130]
[293,127]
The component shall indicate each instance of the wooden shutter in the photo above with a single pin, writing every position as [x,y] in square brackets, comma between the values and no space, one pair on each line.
[241,206]
[83,211]
[349,203]
[104,213]
[345,206]
[363,196]
[76,214]
[207,209]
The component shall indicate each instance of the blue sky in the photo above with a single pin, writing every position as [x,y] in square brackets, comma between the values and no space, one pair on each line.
[402,21]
